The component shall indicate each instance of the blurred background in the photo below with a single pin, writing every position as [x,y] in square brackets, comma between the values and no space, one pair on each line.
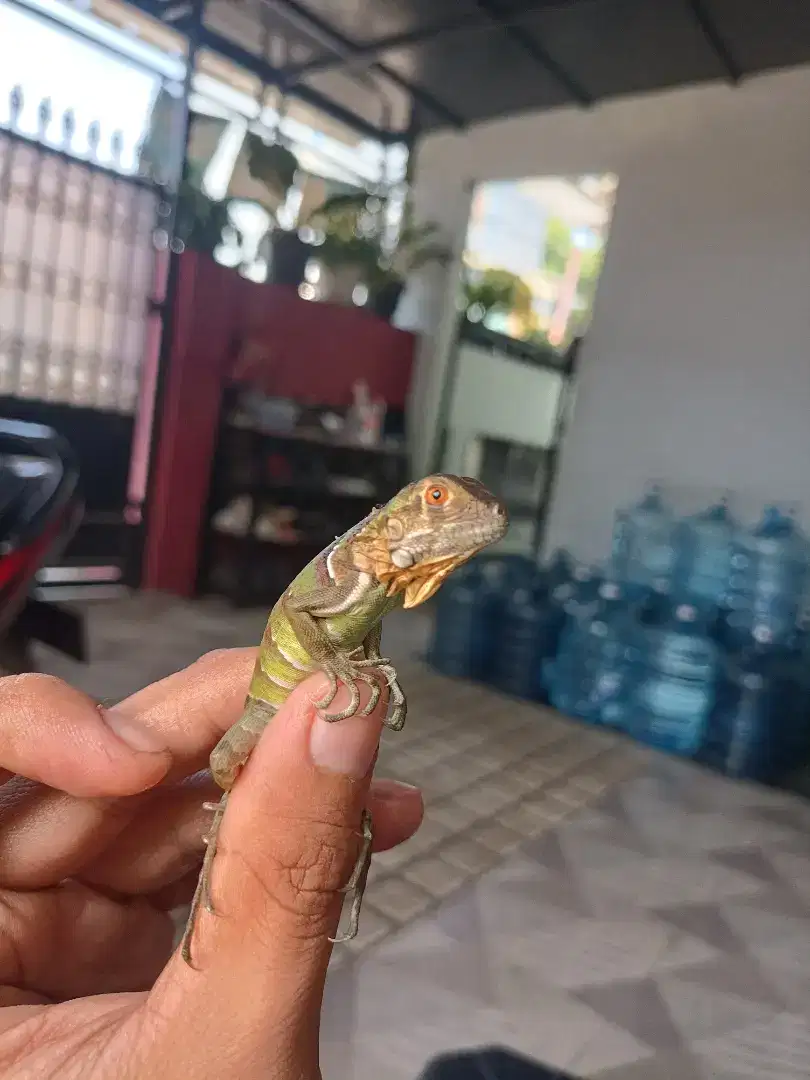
[264,261]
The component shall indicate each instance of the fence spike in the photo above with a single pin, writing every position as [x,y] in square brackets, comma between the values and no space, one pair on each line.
[68,127]
[117,146]
[15,104]
[93,137]
[44,117]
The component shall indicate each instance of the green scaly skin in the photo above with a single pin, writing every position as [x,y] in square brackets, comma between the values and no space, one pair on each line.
[329,619]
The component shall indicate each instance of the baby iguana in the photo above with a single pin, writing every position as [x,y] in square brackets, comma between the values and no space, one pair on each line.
[330,617]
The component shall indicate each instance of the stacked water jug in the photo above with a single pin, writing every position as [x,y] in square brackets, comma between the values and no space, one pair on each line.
[690,638]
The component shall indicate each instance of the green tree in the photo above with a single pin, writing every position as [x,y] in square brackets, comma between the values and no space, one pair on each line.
[558,246]
[499,290]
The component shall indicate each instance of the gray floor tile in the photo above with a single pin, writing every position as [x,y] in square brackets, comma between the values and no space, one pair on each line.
[636,1006]
[594,905]
[665,1066]
[776,1047]
[704,921]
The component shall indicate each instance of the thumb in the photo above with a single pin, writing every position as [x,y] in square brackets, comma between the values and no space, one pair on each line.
[288,842]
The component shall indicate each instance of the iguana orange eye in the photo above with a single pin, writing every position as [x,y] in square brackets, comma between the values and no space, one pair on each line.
[437,495]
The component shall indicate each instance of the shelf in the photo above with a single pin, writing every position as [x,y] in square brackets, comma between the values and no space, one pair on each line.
[316,543]
[318,438]
[252,569]
[292,494]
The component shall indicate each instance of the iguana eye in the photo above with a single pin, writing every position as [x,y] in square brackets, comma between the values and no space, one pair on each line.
[437,495]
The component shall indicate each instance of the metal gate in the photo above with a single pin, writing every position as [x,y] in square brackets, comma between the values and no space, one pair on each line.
[79,284]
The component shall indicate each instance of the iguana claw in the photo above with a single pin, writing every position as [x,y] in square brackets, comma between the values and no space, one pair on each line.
[350,678]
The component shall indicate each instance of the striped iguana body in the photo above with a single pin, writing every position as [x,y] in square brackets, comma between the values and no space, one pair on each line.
[329,619]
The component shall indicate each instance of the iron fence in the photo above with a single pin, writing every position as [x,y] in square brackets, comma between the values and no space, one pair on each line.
[78,239]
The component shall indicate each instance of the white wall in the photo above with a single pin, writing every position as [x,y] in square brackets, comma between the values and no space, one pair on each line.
[697,365]
[501,398]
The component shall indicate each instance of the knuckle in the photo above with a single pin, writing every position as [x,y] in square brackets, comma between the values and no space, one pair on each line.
[317,869]
[301,873]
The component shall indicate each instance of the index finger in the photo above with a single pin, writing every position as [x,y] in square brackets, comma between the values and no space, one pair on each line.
[189,711]
[54,734]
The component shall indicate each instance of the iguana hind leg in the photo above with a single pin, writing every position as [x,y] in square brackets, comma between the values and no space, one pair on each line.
[227,758]
[357,881]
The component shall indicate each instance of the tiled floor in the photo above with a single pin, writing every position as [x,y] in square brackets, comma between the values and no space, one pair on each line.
[663,934]
[594,906]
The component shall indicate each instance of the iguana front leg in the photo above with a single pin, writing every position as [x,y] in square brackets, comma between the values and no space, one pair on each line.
[304,615]
[375,659]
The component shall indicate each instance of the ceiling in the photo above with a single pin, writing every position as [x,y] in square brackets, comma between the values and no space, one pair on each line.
[402,68]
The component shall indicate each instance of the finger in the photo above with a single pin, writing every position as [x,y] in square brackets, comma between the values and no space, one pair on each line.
[178,894]
[161,845]
[54,734]
[11,996]
[165,843]
[397,810]
[70,941]
[49,835]
[189,711]
[288,843]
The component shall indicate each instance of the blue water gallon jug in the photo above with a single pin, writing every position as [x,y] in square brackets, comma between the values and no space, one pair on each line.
[703,550]
[643,552]
[674,684]
[769,571]
[801,697]
[755,730]
[573,602]
[579,597]
[588,676]
[559,569]
[465,622]
[509,572]
[525,626]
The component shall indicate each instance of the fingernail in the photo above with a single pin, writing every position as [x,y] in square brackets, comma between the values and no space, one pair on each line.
[131,731]
[395,791]
[345,746]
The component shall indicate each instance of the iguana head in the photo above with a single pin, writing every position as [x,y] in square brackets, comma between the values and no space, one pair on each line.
[431,527]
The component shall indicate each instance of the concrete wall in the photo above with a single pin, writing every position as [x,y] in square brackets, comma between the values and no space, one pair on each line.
[696,369]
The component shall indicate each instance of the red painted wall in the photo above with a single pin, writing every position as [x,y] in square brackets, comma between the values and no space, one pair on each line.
[315,352]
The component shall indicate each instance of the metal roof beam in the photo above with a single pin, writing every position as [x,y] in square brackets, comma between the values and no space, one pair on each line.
[533,48]
[262,69]
[271,76]
[422,96]
[480,20]
[716,41]
[345,52]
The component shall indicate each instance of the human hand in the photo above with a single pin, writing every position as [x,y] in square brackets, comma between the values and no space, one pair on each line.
[100,837]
